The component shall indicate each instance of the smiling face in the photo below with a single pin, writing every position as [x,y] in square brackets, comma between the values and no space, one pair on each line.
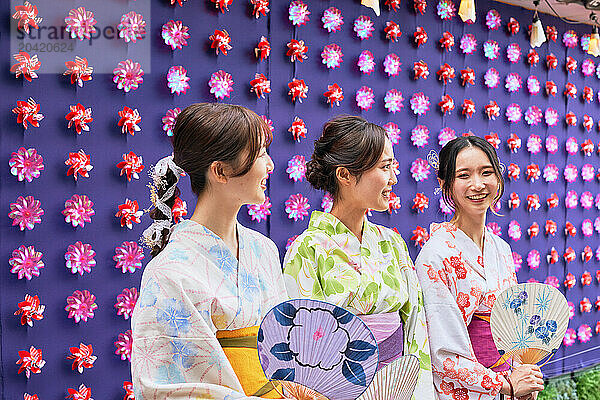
[250,187]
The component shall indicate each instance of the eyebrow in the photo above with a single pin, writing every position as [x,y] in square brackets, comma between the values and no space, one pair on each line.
[385,160]
[468,169]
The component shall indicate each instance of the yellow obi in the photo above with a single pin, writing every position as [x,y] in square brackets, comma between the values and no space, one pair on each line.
[239,346]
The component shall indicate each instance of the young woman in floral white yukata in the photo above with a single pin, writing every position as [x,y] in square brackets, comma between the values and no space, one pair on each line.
[344,259]
[211,280]
[462,268]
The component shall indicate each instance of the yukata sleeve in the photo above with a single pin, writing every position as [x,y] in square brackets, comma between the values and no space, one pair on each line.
[300,270]
[175,353]
[456,372]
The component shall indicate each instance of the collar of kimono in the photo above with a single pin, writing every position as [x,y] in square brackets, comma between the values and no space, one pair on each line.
[326,222]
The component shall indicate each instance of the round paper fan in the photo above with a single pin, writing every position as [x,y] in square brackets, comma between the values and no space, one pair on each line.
[395,381]
[318,345]
[529,321]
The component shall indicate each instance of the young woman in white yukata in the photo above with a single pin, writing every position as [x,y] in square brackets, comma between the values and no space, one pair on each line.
[211,280]
[344,259]
[462,268]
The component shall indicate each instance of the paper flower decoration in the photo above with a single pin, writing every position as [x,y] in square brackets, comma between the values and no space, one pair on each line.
[513,113]
[298,129]
[513,53]
[586,277]
[514,201]
[223,5]
[78,210]
[129,119]
[420,36]
[297,206]
[533,85]
[447,41]
[569,256]
[552,144]
[551,61]
[446,73]
[393,100]
[298,12]
[26,16]
[80,258]
[332,19]
[517,260]
[297,168]
[446,104]
[296,50]
[128,75]
[513,26]
[80,23]
[363,26]
[550,227]
[31,361]
[260,85]
[571,146]
[421,70]
[493,139]
[571,65]
[444,207]
[221,84]
[392,31]
[584,41]
[85,393]
[26,262]
[551,88]
[420,170]
[468,108]
[587,94]
[26,212]
[129,212]
[132,27]
[587,147]
[419,5]
[551,116]
[584,333]
[420,202]
[260,7]
[552,258]
[551,33]
[124,345]
[263,49]
[534,144]
[327,202]
[446,9]
[79,164]
[79,117]
[175,34]
[28,112]
[491,50]
[259,212]
[392,64]
[533,115]
[550,173]
[495,228]
[468,43]
[26,65]
[570,39]
[82,357]
[446,134]
[393,132]
[220,41]
[298,89]
[533,259]
[30,310]
[514,143]
[419,136]
[492,20]
[533,202]
[588,67]
[533,58]
[365,98]
[570,336]
[366,62]
[533,230]
[126,302]
[81,305]
[586,200]
[420,236]
[394,203]
[570,90]
[570,173]
[532,172]
[514,230]
[178,210]
[419,103]
[78,70]
[128,257]
[587,172]
[169,120]
[513,82]
[331,55]
[26,164]
[491,78]
[571,199]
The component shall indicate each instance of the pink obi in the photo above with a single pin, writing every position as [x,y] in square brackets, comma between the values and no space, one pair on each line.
[388,332]
[483,344]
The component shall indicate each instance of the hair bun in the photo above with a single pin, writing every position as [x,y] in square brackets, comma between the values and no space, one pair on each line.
[317,174]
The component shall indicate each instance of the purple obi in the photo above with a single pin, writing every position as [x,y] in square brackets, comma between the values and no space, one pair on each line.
[483,344]
[388,332]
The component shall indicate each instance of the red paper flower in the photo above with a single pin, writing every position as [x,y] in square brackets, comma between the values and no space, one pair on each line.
[420,236]
[129,120]
[585,305]
[26,65]
[420,36]
[131,165]
[82,357]
[447,41]
[128,386]
[27,15]
[28,112]
[394,203]
[533,202]
[263,49]
[551,33]
[298,89]
[30,310]
[334,94]
[421,70]
[260,85]
[492,110]
[468,108]
[392,31]
[468,76]
[586,278]
[514,201]
[420,202]
[79,164]
[533,58]
[533,230]
[129,212]
[220,41]
[569,256]
[296,50]
[513,26]
[552,201]
[551,61]
[447,104]
[79,117]
[31,361]
[260,7]
[570,229]
[178,210]
[419,5]
[587,147]
[493,139]
[84,393]
[79,70]
[533,172]
[570,90]
[571,65]
[588,94]
[551,88]
[222,4]
[446,73]
[571,118]
[553,256]
[298,129]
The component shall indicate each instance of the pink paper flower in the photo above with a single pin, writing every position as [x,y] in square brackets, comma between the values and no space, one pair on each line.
[550,173]
[31,361]
[393,132]
[533,259]
[533,115]
[79,117]
[128,75]
[513,82]
[468,43]
[420,36]
[124,345]
[263,49]
[514,171]
[259,212]
[533,85]
[552,144]
[327,202]
[79,164]
[587,172]
[514,230]
[80,258]
[513,113]
[363,26]
[446,9]
[290,241]
[126,302]
[570,39]
[169,120]
[513,53]
[81,305]
[492,20]
[26,212]
[177,80]
[365,98]
[260,85]
[26,262]
[129,213]
[420,170]
[80,23]
[517,260]
[28,112]
[392,64]
[297,168]
[491,49]
[552,281]
[332,19]
[571,199]
[585,42]
[26,16]
[392,31]
[534,144]
[491,78]
[175,34]
[393,100]
[132,27]
[570,173]
[495,228]
[221,84]
[332,55]
[444,207]
[446,134]
[82,357]
[78,210]
[366,62]
[570,336]
[584,333]
[551,116]
[571,146]
[298,13]
[298,89]
[419,136]
[419,103]
[30,310]
[297,206]
[588,67]
[26,164]
[85,393]
[129,257]
[586,200]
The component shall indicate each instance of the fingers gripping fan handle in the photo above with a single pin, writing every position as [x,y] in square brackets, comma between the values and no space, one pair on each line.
[528,322]
[318,345]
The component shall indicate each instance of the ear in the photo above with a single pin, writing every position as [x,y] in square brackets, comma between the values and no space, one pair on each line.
[216,172]
[344,177]
[440,182]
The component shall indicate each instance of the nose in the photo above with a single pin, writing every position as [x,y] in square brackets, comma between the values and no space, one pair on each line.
[393,178]
[270,164]
[477,182]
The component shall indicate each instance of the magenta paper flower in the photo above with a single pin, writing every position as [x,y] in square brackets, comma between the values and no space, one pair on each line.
[570,336]
[513,82]
[297,168]
[468,43]
[584,333]
[533,115]
[492,20]
[393,100]
[177,79]
[363,26]
[124,344]
[81,305]
[129,257]
[132,27]
[585,42]
[128,75]
[552,144]
[327,202]
[571,146]
[80,258]
[571,199]
[393,132]
[587,172]
[552,281]
[588,67]
[28,112]
[332,19]
[221,84]
[80,23]
[298,13]
[517,260]
[514,230]
[491,49]
[534,144]
[491,78]
[365,98]
[26,262]
[551,116]
[533,85]
[597,229]
[392,64]
[570,39]
[570,173]
[419,103]
[513,53]
[290,241]
[26,212]
[551,173]
[419,136]
[332,55]
[446,9]
[129,213]
[533,259]
[26,164]
[259,212]
[297,206]
[366,62]
[513,113]
[78,210]
[126,301]
[169,120]
[420,170]
[446,134]
[586,200]
[495,228]
[175,34]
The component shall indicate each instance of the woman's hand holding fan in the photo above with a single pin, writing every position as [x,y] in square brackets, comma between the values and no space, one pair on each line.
[526,379]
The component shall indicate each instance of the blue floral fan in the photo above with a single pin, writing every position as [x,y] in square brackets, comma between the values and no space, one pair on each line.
[320,346]
[529,321]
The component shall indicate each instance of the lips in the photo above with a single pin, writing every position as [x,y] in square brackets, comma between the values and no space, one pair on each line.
[477,197]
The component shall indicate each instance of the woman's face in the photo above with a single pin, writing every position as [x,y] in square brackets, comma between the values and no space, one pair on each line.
[250,187]
[475,183]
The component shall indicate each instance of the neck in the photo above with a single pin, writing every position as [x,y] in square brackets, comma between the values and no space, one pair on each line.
[473,227]
[351,217]
[219,214]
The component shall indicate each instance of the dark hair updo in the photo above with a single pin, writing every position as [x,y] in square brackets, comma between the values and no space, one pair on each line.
[347,141]
[209,132]
[447,164]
